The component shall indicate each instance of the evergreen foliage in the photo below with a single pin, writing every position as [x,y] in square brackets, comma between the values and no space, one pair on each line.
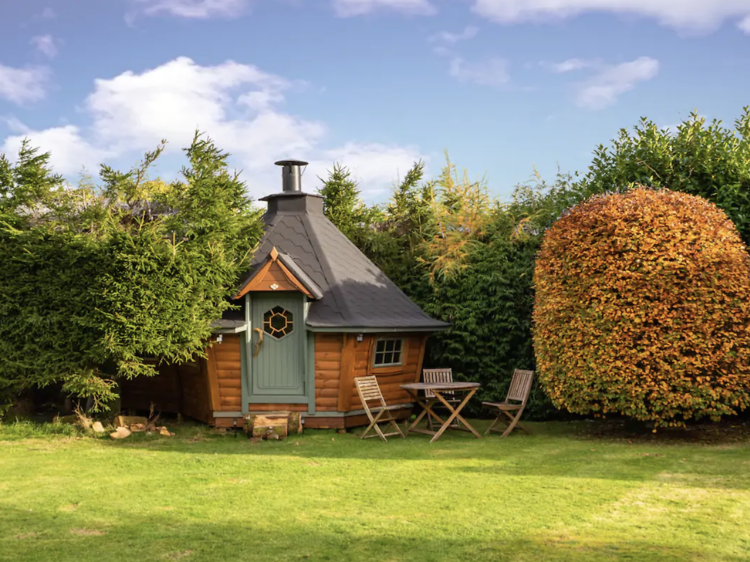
[707,160]
[94,279]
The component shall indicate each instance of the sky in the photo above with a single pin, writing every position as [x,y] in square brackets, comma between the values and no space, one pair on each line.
[505,86]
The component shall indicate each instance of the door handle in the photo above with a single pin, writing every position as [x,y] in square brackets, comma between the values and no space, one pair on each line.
[260,342]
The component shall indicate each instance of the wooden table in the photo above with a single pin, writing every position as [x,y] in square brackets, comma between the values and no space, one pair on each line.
[438,389]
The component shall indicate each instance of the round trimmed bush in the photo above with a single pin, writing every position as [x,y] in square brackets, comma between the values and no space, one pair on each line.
[642,308]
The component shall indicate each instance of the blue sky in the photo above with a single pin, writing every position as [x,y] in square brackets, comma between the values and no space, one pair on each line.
[503,85]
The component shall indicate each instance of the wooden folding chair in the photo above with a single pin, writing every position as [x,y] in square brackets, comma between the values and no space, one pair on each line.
[520,387]
[436,376]
[369,391]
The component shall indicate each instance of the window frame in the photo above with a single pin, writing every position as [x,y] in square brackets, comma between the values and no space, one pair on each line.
[290,322]
[375,352]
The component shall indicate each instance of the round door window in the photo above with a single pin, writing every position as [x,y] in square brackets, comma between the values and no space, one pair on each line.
[278,322]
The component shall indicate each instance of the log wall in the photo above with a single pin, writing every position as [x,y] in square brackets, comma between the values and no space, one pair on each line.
[328,349]
[225,374]
[215,384]
[339,358]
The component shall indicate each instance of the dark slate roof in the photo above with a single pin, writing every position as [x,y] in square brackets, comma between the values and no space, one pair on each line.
[227,326]
[355,293]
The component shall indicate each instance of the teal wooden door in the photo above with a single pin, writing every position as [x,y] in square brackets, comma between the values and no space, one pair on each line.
[277,371]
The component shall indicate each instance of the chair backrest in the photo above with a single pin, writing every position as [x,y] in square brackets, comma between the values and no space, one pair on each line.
[436,375]
[369,390]
[520,385]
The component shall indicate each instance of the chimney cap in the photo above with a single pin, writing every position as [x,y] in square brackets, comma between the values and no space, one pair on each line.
[291,163]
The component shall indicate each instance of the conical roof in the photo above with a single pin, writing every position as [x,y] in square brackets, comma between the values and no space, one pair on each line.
[351,292]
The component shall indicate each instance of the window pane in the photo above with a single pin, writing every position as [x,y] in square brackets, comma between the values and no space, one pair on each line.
[397,345]
[388,358]
[380,347]
[389,345]
[378,358]
[397,357]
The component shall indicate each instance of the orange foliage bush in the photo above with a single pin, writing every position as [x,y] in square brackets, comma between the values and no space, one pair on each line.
[642,308]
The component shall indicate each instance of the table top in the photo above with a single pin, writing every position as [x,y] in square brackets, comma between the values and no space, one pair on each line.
[440,385]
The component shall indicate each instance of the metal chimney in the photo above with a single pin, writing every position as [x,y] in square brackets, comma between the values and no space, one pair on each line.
[291,176]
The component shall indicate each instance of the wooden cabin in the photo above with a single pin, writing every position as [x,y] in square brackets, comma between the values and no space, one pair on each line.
[315,314]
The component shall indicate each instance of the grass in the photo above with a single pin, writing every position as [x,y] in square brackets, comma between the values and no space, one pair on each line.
[563,493]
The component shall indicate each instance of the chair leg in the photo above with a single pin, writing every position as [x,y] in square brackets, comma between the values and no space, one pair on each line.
[494,423]
[515,419]
[374,425]
[511,426]
[380,433]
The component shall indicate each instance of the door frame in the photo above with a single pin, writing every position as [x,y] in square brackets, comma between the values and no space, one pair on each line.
[308,354]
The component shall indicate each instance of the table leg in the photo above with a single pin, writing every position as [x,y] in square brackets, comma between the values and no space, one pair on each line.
[454,414]
[426,409]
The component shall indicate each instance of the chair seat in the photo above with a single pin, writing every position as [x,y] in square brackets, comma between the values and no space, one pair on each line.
[502,405]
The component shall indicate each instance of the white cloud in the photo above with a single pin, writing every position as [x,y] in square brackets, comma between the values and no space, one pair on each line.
[444,40]
[610,81]
[23,85]
[46,45]
[14,124]
[491,72]
[48,13]
[69,151]
[236,105]
[376,166]
[448,38]
[689,15]
[196,9]
[744,25]
[351,8]
[572,65]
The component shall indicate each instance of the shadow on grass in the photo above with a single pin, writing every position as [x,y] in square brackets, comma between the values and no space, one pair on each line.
[40,536]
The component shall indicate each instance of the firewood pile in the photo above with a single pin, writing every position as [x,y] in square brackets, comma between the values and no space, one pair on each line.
[272,427]
[124,426]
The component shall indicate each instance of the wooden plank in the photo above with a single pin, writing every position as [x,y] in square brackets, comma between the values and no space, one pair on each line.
[229,374]
[327,383]
[325,404]
[332,345]
[324,423]
[422,347]
[230,392]
[328,356]
[230,383]
[370,356]
[278,407]
[327,392]
[229,404]
[225,359]
[228,365]
[326,375]
[213,380]
[347,372]
[327,365]
[231,347]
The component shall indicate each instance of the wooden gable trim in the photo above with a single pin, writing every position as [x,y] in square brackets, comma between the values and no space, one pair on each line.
[271,270]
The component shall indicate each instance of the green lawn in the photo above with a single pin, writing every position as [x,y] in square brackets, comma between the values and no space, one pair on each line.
[554,495]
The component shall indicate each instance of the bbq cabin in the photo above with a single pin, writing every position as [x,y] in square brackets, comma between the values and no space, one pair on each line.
[315,313]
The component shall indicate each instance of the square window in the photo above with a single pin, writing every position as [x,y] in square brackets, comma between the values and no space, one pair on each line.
[388,352]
